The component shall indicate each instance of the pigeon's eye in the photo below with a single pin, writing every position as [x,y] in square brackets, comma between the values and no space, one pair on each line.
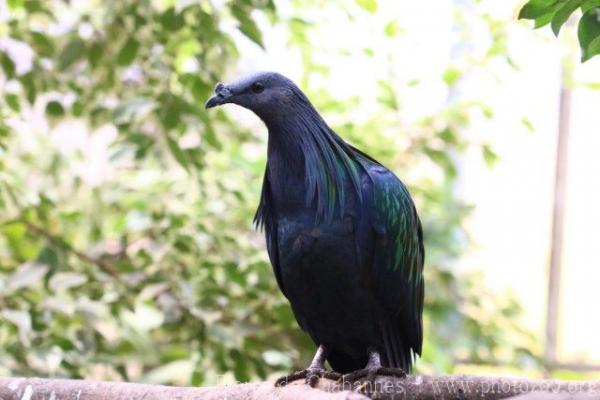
[257,87]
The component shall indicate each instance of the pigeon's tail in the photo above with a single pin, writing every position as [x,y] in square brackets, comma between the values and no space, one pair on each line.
[344,363]
[397,350]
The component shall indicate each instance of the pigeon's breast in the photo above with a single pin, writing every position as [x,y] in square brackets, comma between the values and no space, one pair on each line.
[327,280]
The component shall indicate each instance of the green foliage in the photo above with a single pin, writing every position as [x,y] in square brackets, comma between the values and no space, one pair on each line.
[557,12]
[140,275]
[143,264]
[368,5]
[247,25]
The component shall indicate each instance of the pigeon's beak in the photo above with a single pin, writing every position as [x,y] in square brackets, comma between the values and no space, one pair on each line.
[223,95]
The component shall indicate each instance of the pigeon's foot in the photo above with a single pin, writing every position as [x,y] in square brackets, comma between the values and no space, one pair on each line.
[371,373]
[313,373]
[310,375]
[363,380]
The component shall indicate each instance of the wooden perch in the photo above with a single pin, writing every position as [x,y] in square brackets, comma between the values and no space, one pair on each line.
[414,387]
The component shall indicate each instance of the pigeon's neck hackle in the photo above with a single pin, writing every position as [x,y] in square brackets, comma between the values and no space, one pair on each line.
[303,150]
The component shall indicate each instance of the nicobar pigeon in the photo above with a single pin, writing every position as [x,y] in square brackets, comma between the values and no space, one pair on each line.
[342,234]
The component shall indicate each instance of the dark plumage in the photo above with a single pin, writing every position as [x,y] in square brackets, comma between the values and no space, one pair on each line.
[342,232]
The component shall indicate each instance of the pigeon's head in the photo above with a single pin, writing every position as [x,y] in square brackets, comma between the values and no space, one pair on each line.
[264,93]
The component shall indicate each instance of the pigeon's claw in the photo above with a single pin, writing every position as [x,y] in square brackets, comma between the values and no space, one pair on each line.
[311,376]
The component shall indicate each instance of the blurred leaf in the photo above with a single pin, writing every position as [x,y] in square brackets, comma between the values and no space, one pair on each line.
[543,20]
[489,155]
[42,44]
[392,28]
[240,367]
[534,9]
[66,280]
[589,4]
[13,102]
[94,54]
[594,47]
[449,136]
[527,124]
[388,95]
[8,65]
[558,12]
[177,153]
[48,256]
[29,85]
[55,109]
[246,24]
[174,371]
[277,358]
[442,159]
[451,76]
[210,137]
[144,318]
[132,110]
[487,111]
[26,276]
[563,13]
[143,143]
[200,90]
[19,318]
[36,6]
[14,4]
[128,52]
[16,235]
[588,33]
[77,109]
[171,20]
[369,5]
[72,52]
[171,115]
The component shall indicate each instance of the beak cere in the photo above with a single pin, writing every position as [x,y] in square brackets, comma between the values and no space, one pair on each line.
[222,96]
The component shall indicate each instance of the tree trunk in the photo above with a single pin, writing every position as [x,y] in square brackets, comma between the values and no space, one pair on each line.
[414,387]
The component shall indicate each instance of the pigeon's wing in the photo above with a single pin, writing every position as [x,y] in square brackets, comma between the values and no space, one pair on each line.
[273,250]
[263,218]
[397,265]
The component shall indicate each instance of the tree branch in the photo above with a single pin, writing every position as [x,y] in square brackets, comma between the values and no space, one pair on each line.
[414,387]
[107,268]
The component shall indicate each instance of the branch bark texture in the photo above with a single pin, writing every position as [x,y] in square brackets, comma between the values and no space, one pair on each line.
[414,387]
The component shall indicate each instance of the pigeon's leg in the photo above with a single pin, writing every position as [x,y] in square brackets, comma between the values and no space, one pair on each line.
[368,375]
[315,371]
